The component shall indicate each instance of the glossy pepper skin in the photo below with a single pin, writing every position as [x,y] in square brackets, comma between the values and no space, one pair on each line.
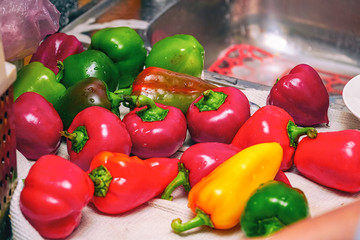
[35,77]
[169,87]
[56,47]
[125,48]
[219,199]
[272,124]
[179,53]
[37,126]
[303,95]
[93,130]
[332,159]
[54,194]
[217,115]
[273,206]
[123,182]
[156,130]
[90,63]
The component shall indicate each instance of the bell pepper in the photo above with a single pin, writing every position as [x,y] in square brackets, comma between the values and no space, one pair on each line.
[123,182]
[169,87]
[217,115]
[331,159]
[152,128]
[218,200]
[56,47]
[90,63]
[54,194]
[272,124]
[93,130]
[271,207]
[303,95]
[35,77]
[179,53]
[125,48]
[86,93]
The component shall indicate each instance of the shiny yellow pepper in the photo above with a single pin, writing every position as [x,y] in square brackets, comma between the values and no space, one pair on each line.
[219,199]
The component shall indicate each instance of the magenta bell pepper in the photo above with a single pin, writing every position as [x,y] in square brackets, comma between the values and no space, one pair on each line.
[56,47]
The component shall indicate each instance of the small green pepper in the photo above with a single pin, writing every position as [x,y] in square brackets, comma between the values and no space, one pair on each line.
[126,49]
[179,53]
[273,206]
[90,63]
[35,77]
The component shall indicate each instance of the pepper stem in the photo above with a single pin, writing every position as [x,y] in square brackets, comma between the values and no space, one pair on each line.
[182,178]
[201,219]
[78,138]
[295,132]
[101,178]
[152,112]
[211,101]
[60,74]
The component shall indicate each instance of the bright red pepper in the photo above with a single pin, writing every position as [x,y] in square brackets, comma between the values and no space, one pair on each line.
[332,159]
[272,124]
[56,47]
[303,95]
[93,130]
[54,194]
[217,115]
[156,130]
[123,182]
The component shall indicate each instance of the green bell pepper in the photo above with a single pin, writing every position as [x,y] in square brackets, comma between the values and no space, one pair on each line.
[90,63]
[35,77]
[126,49]
[273,206]
[179,53]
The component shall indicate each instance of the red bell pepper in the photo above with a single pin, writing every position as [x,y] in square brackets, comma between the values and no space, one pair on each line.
[303,95]
[54,194]
[56,47]
[272,124]
[123,182]
[156,130]
[217,115]
[332,159]
[93,130]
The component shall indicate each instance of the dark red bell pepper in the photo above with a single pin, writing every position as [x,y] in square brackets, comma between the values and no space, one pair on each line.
[93,130]
[217,115]
[332,159]
[123,182]
[303,95]
[272,124]
[56,47]
[54,194]
[156,130]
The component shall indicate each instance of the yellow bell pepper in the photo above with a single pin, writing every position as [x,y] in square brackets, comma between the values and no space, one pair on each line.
[219,199]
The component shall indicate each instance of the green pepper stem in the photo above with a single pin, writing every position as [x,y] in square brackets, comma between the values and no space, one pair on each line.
[152,112]
[211,101]
[201,219]
[295,132]
[60,74]
[182,178]
[78,138]
[101,178]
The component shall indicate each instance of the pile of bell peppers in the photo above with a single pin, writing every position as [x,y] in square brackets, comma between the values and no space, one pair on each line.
[228,171]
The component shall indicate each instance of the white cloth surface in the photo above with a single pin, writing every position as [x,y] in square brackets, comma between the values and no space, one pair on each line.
[152,220]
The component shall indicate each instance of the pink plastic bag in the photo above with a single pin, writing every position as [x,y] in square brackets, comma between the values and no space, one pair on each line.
[24,24]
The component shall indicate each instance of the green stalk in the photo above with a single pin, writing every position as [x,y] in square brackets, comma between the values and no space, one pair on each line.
[295,132]
[201,219]
[78,138]
[182,178]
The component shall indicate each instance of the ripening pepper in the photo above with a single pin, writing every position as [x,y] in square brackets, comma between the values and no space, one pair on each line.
[271,207]
[125,48]
[179,53]
[35,77]
[218,200]
[56,47]
[90,63]
[169,87]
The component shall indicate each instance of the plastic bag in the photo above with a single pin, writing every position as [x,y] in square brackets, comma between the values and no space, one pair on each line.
[24,24]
